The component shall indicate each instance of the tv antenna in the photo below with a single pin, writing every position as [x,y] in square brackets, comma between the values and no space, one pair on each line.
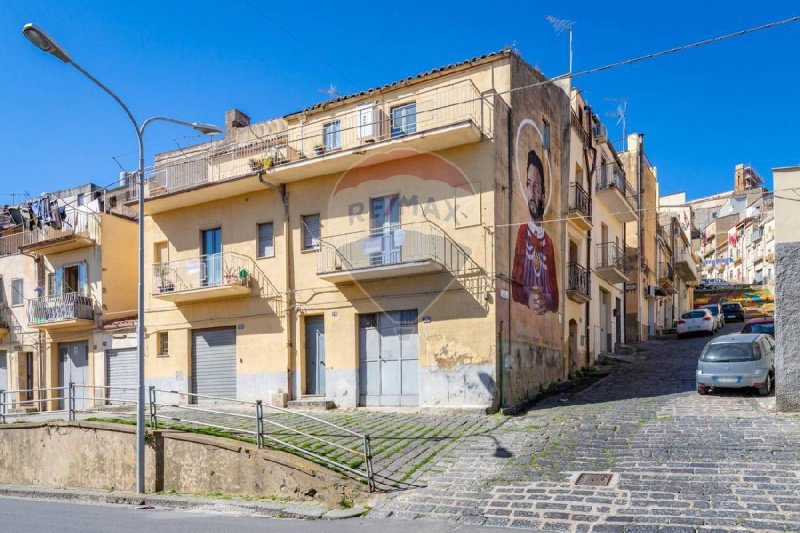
[332,91]
[621,114]
[560,26]
[13,195]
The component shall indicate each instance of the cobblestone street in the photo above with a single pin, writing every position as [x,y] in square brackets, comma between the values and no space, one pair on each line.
[680,461]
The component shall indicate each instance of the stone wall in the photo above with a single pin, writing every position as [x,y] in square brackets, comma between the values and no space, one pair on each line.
[787,324]
[102,456]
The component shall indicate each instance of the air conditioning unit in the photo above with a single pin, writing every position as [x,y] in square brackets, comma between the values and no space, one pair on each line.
[370,120]
[599,131]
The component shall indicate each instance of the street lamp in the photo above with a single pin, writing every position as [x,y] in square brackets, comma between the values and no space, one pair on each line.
[44,42]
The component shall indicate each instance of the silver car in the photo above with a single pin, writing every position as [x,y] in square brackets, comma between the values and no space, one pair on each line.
[737,361]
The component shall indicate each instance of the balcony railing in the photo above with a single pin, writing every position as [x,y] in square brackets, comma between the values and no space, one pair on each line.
[578,280]
[202,272]
[9,323]
[575,120]
[60,308]
[580,201]
[609,255]
[77,224]
[757,235]
[616,178]
[10,244]
[356,129]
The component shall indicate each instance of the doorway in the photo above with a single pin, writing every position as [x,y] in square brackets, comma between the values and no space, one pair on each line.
[73,367]
[211,246]
[315,356]
[618,321]
[384,219]
[605,320]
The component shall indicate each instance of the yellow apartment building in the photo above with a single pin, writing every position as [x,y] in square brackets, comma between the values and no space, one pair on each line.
[82,306]
[403,246]
[600,201]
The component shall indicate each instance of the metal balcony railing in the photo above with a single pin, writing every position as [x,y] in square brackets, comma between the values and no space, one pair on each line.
[202,272]
[580,201]
[757,235]
[578,279]
[611,255]
[353,129]
[616,178]
[60,307]
[76,223]
[393,245]
[9,321]
[665,271]
[10,244]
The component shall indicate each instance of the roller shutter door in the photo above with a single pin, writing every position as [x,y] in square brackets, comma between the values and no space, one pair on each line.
[122,371]
[214,362]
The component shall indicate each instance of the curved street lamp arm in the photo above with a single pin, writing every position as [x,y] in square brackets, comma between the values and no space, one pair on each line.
[110,93]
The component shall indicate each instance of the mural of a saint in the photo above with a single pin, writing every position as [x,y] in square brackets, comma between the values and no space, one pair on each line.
[534,276]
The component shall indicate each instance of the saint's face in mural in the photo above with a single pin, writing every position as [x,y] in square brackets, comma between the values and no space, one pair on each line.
[534,270]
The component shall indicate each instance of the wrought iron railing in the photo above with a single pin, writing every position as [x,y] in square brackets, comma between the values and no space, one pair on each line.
[352,129]
[616,178]
[611,255]
[575,121]
[77,223]
[10,322]
[580,201]
[60,307]
[578,279]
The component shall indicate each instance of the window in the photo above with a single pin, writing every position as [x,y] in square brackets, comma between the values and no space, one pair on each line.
[81,199]
[546,135]
[311,232]
[163,343]
[17,292]
[266,246]
[604,172]
[2,292]
[404,120]
[331,135]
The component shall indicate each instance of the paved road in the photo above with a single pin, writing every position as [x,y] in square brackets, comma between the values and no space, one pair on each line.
[680,461]
[45,516]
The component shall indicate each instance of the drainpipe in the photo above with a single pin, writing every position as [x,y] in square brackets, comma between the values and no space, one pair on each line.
[288,281]
[587,305]
[510,185]
[640,231]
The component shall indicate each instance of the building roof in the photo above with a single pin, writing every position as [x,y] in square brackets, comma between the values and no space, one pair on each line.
[505,52]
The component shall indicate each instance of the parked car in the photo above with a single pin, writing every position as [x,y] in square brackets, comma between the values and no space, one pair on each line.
[733,311]
[737,361]
[716,312]
[697,321]
[760,325]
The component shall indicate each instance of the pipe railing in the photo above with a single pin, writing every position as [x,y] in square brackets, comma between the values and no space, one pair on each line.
[12,398]
[351,129]
[259,424]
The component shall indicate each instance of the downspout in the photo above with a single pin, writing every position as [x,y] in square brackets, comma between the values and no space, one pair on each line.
[624,325]
[510,185]
[640,232]
[288,282]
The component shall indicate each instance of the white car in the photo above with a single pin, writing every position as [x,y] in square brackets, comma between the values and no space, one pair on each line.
[697,321]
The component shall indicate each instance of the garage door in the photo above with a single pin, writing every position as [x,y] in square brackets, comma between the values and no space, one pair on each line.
[388,359]
[214,362]
[3,371]
[122,371]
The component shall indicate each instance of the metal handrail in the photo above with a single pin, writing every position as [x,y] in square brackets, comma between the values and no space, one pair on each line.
[260,433]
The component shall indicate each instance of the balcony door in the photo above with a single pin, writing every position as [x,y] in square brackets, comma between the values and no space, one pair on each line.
[211,246]
[384,220]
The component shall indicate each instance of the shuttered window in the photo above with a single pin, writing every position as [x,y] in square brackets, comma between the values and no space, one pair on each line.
[163,343]
[266,247]
[311,232]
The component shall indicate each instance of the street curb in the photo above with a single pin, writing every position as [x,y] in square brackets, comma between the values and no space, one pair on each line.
[300,510]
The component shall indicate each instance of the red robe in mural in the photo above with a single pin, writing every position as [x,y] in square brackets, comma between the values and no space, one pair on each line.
[534,268]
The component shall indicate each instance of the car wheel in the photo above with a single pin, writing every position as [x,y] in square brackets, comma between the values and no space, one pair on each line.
[765,389]
[702,391]
[680,336]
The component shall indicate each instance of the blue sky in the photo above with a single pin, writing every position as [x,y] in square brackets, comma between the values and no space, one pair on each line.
[702,111]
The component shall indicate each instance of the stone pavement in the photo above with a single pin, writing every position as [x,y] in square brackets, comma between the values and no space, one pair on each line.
[680,461]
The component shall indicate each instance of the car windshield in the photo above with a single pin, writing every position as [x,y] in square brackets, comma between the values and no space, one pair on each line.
[731,307]
[764,327]
[714,309]
[694,314]
[727,352]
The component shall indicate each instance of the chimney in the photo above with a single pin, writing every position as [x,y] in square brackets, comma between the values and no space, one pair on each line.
[235,119]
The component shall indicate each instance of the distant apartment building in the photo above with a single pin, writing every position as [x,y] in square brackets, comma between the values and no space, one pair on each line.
[68,279]
[422,243]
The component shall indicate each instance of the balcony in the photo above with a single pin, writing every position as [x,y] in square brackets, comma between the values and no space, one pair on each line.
[611,263]
[9,327]
[578,283]
[401,250]
[666,277]
[758,255]
[618,194]
[77,230]
[757,235]
[441,118]
[205,277]
[577,126]
[580,207]
[686,267]
[62,311]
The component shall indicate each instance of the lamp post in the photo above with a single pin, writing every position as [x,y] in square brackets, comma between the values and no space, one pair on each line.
[45,43]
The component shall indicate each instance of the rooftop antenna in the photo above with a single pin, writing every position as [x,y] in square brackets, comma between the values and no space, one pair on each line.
[560,26]
[331,91]
[621,114]
[13,195]
[118,163]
